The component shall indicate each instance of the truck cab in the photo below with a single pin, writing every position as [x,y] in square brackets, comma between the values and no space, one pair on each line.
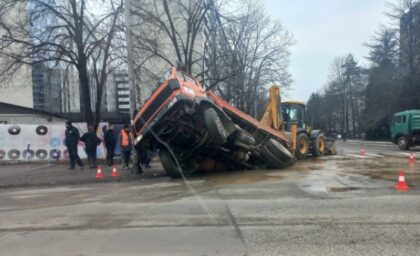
[405,129]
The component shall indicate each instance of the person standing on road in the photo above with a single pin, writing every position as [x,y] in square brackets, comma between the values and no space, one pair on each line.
[91,143]
[126,144]
[71,140]
[109,139]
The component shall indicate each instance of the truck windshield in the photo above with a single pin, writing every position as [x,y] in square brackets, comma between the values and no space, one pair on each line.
[291,113]
[396,120]
[150,87]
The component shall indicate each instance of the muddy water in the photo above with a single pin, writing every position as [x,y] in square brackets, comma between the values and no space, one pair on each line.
[332,175]
[352,172]
[329,174]
[384,168]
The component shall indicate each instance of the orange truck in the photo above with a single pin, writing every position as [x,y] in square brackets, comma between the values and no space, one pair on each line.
[195,130]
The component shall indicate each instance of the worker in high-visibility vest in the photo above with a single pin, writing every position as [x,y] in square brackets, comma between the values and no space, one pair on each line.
[126,143]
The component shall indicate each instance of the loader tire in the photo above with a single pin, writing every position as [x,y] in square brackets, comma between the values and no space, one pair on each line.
[319,146]
[302,146]
[275,154]
[188,167]
[215,127]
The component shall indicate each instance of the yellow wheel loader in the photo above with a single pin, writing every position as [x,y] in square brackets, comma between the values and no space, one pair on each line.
[290,117]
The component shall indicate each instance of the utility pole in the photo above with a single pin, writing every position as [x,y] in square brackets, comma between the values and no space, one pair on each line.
[345,110]
[133,96]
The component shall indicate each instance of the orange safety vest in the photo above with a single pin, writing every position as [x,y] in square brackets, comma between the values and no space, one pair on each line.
[125,139]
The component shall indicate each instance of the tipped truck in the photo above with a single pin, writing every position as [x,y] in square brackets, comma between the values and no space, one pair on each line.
[195,130]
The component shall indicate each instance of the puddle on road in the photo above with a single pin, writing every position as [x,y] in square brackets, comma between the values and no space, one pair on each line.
[386,168]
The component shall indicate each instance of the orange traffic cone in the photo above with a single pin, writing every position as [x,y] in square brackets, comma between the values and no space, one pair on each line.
[99,173]
[401,185]
[412,158]
[114,171]
[362,152]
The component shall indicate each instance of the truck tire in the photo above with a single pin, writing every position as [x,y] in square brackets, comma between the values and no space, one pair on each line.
[168,163]
[279,150]
[215,127]
[318,143]
[275,154]
[245,137]
[271,160]
[242,140]
[302,146]
[402,143]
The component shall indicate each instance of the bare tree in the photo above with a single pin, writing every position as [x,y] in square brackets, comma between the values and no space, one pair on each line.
[341,105]
[258,55]
[167,33]
[63,33]
[237,55]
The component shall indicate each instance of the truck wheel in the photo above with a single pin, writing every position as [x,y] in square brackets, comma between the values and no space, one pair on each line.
[169,164]
[271,160]
[302,146]
[242,140]
[275,154]
[215,127]
[245,137]
[402,143]
[279,150]
[318,145]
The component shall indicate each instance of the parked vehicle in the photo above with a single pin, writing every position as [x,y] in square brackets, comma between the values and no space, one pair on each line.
[196,130]
[405,129]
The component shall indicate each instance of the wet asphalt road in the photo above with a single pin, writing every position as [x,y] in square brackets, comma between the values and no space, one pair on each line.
[336,205]
[374,148]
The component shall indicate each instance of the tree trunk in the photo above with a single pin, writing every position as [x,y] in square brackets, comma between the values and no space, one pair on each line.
[98,110]
[85,91]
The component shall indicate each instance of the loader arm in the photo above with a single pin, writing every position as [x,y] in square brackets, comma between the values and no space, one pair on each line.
[270,116]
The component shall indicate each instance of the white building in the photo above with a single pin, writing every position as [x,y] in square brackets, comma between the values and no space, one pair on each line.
[119,100]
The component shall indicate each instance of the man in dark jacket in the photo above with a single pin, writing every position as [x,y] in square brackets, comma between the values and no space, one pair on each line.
[91,142]
[71,139]
[109,139]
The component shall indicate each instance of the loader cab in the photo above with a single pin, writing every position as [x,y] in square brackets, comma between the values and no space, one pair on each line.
[293,112]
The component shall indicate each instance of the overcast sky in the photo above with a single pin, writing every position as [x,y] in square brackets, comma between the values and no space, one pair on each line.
[325,29]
